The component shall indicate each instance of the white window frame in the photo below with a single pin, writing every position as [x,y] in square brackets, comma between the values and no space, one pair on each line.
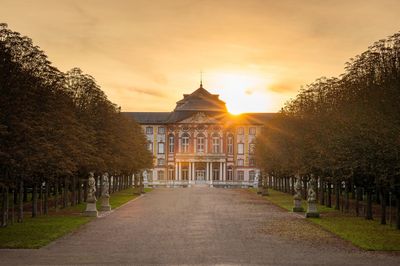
[161,130]
[230,145]
[161,148]
[185,143]
[240,148]
[216,144]
[200,143]
[149,130]
[171,144]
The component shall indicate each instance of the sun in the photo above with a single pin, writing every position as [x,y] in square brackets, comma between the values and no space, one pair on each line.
[242,93]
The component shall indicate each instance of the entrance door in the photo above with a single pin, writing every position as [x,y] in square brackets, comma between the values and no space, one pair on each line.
[200,175]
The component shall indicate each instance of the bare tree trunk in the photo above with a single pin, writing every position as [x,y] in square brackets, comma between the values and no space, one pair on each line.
[56,193]
[46,197]
[21,201]
[73,191]
[337,195]
[79,191]
[85,190]
[329,203]
[321,191]
[13,206]
[34,200]
[398,211]
[383,206]
[40,196]
[368,215]
[65,193]
[347,195]
[357,201]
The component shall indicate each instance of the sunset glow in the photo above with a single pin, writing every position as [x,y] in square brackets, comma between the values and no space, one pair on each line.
[256,54]
[241,92]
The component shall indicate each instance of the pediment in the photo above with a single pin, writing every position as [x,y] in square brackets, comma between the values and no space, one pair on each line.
[199,118]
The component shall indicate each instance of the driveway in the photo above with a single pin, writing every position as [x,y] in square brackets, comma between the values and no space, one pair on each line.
[199,225]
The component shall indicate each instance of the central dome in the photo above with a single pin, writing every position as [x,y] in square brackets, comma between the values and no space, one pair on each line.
[201,100]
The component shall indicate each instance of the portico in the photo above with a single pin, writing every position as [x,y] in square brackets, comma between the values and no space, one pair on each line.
[200,171]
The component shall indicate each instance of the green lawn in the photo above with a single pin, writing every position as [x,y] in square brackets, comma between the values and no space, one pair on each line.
[40,231]
[366,234]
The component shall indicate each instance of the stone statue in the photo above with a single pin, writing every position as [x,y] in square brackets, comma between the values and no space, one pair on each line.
[297,195]
[91,209]
[264,190]
[105,193]
[311,195]
[106,186]
[91,196]
[312,199]
[297,187]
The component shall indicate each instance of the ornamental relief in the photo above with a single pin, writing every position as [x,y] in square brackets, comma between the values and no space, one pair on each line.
[199,118]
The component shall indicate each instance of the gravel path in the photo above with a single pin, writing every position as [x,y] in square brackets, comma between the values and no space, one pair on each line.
[199,226]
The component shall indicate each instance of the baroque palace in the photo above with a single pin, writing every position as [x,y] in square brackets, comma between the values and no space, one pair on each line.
[199,142]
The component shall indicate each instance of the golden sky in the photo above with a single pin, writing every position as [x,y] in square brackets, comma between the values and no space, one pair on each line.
[255,54]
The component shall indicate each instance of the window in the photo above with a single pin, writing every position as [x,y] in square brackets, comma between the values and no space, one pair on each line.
[200,143]
[230,145]
[160,174]
[240,131]
[171,143]
[252,130]
[150,146]
[252,148]
[215,143]
[240,162]
[149,130]
[161,147]
[215,174]
[161,130]
[230,174]
[252,162]
[252,174]
[185,173]
[185,143]
[160,161]
[240,175]
[240,148]
[171,173]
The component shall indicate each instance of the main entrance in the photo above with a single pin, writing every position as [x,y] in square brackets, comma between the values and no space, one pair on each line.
[200,175]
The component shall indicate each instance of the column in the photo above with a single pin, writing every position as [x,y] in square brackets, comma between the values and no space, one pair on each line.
[207,170]
[193,171]
[179,170]
[190,171]
[176,171]
[211,171]
[220,171]
[224,169]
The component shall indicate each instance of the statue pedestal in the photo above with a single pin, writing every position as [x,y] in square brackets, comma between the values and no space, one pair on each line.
[105,204]
[136,191]
[297,206]
[91,210]
[312,210]
[259,190]
[264,192]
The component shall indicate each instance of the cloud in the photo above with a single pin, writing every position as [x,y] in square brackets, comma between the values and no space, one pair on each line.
[282,87]
[150,92]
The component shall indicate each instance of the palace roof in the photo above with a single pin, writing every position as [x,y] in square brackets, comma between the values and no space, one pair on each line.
[200,101]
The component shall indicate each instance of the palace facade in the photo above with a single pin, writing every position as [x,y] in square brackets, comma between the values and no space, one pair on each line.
[199,142]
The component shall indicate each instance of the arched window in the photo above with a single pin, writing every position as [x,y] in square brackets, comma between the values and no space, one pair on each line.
[200,143]
[230,144]
[171,143]
[185,143]
[216,143]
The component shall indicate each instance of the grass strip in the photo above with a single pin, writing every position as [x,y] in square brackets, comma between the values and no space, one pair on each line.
[365,234]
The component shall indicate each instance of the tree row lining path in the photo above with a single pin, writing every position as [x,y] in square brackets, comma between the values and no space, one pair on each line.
[199,226]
